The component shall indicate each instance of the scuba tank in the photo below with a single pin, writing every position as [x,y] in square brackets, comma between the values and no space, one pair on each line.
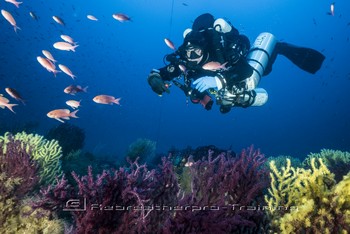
[259,57]
[222,25]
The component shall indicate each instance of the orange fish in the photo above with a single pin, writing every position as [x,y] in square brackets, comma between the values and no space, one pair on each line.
[106,99]
[14,2]
[14,94]
[66,70]
[48,55]
[46,63]
[74,104]
[121,17]
[170,44]
[91,17]
[183,68]
[68,39]
[4,102]
[64,46]
[214,66]
[10,19]
[58,20]
[332,8]
[189,164]
[190,161]
[60,114]
[72,89]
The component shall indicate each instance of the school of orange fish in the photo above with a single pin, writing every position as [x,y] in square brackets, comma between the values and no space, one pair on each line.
[48,62]
[68,44]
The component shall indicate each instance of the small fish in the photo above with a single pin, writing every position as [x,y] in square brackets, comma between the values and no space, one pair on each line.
[60,114]
[68,39]
[74,104]
[14,2]
[331,12]
[106,99]
[14,94]
[185,4]
[214,66]
[121,17]
[189,162]
[332,8]
[7,15]
[48,55]
[46,63]
[4,102]
[58,20]
[91,17]
[72,89]
[170,44]
[66,70]
[182,68]
[33,15]
[64,46]
[52,64]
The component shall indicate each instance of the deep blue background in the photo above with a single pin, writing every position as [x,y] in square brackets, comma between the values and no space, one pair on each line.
[304,114]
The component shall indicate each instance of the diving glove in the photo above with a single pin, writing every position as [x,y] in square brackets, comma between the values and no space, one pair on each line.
[207,82]
[157,84]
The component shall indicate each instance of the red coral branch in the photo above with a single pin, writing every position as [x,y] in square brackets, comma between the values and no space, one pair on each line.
[223,182]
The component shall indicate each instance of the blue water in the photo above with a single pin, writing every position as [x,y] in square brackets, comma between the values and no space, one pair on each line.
[304,113]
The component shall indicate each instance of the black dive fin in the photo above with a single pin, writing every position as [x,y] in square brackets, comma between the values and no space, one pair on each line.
[307,59]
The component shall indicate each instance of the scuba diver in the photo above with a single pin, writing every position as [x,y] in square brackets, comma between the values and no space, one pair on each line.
[215,59]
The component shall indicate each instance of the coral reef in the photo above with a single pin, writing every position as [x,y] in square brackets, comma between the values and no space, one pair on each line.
[225,195]
[179,157]
[70,137]
[215,192]
[17,165]
[142,148]
[311,200]
[28,221]
[18,179]
[280,160]
[119,201]
[338,162]
[201,152]
[279,198]
[185,178]
[341,202]
[48,154]
[78,161]
[138,200]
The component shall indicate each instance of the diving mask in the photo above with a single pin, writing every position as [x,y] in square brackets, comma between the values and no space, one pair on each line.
[194,53]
